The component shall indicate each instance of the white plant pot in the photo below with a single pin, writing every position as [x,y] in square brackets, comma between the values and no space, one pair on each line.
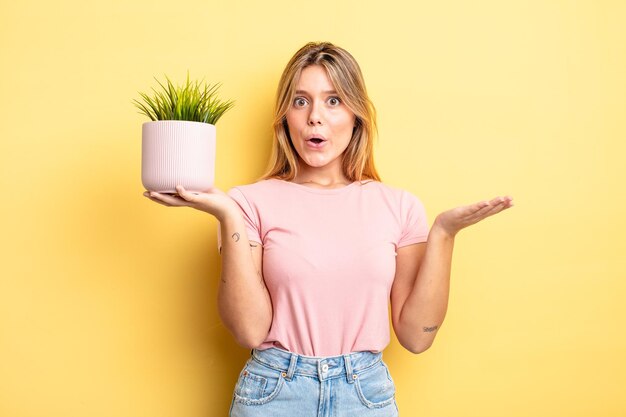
[175,152]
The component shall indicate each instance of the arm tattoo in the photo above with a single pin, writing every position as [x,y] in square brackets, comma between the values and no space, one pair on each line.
[236,236]
[430,329]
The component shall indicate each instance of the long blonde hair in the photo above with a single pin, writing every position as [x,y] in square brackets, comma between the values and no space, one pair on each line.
[346,76]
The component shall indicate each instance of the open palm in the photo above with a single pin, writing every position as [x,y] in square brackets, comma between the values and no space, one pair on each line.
[452,221]
[213,200]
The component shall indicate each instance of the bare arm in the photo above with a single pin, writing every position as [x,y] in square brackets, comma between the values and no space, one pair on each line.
[419,296]
[243,301]
[420,300]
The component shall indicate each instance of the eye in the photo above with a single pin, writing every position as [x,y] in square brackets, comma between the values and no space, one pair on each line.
[334,101]
[299,102]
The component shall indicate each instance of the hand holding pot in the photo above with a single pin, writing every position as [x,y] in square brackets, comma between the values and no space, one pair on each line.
[213,201]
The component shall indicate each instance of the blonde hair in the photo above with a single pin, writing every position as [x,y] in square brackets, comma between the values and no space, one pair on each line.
[346,76]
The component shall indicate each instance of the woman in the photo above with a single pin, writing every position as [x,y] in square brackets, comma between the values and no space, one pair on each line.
[314,249]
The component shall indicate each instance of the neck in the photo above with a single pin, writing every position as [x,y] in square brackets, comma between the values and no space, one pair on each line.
[325,176]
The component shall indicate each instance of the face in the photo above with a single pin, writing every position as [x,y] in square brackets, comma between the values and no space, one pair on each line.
[320,124]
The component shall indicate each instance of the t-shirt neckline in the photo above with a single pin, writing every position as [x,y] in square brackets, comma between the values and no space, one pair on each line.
[318,190]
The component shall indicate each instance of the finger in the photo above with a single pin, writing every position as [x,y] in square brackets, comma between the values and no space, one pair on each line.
[501,199]
[480,209]
[478,216]
[484,209]
[147,195]
[507,202]
[495,210]
[186,195]
[497,202]
[501,203]
[169,199]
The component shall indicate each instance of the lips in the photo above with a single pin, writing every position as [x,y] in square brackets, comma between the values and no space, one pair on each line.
[316,138]
[315,142]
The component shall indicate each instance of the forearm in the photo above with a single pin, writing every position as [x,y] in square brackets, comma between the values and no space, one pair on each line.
[425,308]
[243,301]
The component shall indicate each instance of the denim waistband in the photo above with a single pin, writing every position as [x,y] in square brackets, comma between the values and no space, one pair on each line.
[322,367]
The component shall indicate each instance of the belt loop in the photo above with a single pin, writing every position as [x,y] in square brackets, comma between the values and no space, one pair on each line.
[348,364]
[292,366]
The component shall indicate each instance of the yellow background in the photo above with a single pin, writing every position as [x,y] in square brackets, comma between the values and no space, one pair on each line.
[108,301]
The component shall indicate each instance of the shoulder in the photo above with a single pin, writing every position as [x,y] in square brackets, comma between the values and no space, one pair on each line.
[392,193]
[266,193]
[257,188]
[401,201]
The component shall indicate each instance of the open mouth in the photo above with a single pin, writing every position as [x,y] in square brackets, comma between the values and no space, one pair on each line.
[316,140]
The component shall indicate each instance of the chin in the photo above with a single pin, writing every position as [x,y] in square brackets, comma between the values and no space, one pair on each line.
[316,163]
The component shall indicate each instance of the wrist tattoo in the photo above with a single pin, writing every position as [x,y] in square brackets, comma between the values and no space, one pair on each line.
[430,329]
[236,236]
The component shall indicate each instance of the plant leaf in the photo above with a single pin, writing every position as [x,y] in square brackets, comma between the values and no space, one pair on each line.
[193,101]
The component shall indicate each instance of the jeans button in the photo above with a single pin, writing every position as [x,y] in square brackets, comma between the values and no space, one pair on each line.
[325,367]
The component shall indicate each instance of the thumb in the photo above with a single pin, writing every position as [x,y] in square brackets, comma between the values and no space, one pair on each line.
[186,195]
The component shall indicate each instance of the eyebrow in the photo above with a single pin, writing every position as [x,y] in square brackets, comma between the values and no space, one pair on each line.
[324,92]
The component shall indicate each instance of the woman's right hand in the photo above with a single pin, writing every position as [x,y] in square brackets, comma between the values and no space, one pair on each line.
[213,201]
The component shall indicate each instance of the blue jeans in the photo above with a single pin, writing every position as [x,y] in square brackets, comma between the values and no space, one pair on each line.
[278,383]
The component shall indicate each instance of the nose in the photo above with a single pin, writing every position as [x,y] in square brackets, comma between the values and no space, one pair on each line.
[315,116]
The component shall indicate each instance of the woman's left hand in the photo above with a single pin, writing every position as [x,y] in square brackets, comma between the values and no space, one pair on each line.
[452,221]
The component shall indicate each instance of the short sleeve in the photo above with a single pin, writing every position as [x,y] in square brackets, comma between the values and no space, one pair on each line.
[250,218]
[414,221]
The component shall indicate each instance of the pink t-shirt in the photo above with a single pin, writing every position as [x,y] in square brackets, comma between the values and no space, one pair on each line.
[329,260]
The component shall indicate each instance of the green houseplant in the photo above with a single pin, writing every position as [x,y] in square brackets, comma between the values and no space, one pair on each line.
[178,144]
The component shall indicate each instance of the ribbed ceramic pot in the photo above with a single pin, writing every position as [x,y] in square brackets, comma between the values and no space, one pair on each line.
[175,152]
